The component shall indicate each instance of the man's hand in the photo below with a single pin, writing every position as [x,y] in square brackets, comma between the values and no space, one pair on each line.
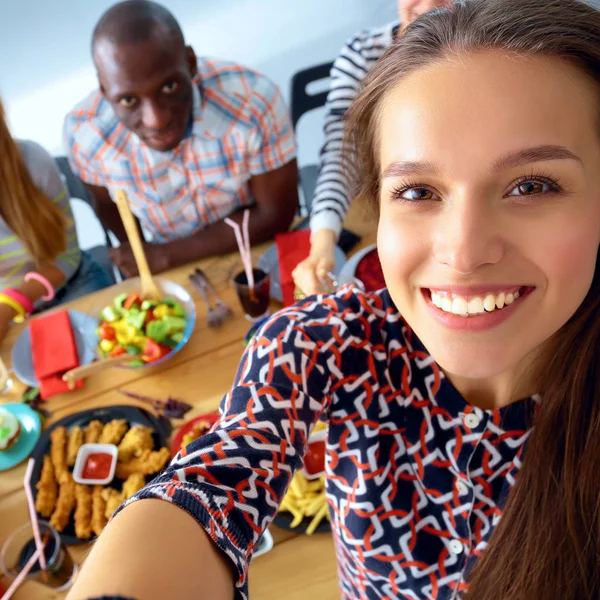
[157,256]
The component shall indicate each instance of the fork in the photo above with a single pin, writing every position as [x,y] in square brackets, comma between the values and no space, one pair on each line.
[220,306]
[217,315]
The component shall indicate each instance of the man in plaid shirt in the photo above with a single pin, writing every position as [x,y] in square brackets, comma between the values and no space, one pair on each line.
[191,140]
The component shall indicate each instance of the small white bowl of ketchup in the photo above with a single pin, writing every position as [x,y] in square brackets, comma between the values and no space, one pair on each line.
[95,464]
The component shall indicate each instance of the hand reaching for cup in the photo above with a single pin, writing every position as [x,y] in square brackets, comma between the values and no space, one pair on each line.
[310,275]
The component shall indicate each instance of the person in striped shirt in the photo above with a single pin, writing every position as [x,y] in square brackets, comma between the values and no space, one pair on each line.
[332,193]
[37,233]
[191,140]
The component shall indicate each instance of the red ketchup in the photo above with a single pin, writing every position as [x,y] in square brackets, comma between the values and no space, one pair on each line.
[314,459]
[97,466]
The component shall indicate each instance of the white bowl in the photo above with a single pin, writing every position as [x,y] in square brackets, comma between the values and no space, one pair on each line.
[82,456]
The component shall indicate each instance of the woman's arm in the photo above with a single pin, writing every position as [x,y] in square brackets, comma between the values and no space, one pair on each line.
[224,488]
[153,549]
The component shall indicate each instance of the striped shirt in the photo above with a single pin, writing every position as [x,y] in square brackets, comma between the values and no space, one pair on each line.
[416,478]
[240,127]
[15,260]
[332,195]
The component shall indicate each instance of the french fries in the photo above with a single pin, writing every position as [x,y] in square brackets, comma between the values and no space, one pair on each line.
[306,499]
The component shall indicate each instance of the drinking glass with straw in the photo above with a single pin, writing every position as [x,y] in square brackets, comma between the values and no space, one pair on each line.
[252,285]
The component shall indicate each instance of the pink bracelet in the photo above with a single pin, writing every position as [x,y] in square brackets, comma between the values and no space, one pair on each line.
[41,279]
[21,298]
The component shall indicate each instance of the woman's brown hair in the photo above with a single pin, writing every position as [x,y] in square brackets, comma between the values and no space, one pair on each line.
[546,546]
[27,211]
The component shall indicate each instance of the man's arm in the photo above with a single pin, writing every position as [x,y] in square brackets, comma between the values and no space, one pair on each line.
[276,201]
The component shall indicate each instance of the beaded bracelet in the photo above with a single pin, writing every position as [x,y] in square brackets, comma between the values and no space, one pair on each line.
[21,314]
[41,279]
[21,298]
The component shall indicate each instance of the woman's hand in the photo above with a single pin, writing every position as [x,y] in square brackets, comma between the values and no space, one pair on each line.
[321,260]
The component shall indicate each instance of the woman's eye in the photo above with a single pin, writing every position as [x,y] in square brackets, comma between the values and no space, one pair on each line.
[532,188]
[414,194]
[127,101]
[170,88]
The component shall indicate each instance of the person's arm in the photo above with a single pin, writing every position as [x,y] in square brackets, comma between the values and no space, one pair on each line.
[153,549]
[276,200]
[332,195]
[227,485]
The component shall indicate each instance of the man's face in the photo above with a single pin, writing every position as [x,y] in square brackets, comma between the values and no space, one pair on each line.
[149,85]
[409,10]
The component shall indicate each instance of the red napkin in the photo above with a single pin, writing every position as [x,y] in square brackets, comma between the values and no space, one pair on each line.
[53,351]
[292,247]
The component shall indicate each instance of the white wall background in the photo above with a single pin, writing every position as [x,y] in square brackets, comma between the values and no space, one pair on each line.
[45,64]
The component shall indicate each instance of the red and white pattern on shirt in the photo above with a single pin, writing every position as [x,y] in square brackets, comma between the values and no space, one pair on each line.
[416,477]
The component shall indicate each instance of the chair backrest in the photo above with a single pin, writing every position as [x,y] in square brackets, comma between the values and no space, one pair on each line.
[303,102]
[78,190]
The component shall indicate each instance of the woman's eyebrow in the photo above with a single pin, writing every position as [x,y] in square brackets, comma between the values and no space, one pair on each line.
[535,154]
[409,167]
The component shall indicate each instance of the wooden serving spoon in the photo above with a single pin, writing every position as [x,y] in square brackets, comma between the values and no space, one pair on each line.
[149,289]
[86,370]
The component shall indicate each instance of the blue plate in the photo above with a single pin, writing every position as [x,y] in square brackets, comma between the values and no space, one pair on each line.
[84,330]
[269,263]
[31,428]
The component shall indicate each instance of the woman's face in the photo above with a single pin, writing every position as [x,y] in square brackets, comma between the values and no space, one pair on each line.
[490,205]
[409,10]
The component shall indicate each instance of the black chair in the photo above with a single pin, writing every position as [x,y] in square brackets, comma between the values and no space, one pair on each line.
[301,103]
[77,190]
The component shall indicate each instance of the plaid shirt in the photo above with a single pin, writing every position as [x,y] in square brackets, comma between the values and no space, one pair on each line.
[240,127]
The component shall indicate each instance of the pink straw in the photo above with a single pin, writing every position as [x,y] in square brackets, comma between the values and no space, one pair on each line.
[32,514]
[24,572]
[246,239]
[245,255]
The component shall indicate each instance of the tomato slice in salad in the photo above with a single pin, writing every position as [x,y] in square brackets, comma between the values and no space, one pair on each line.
[154,351]
[131,300]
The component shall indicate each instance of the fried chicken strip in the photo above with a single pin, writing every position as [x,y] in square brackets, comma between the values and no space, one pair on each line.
[113,431]
[147,463]
[93,431]
[83,511]
[75,442]
[136,440]
[65,503]
[98,510]
[58,454]
[134,483]
[47,489]
[113,500]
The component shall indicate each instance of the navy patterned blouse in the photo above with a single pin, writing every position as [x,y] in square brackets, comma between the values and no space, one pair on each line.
[416,477]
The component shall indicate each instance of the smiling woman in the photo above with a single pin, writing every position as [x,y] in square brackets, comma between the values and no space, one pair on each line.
[463,444]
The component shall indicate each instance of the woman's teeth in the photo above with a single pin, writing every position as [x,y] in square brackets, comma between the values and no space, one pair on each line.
[477,305]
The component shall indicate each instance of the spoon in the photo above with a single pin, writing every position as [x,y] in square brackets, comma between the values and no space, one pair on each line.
[149,289]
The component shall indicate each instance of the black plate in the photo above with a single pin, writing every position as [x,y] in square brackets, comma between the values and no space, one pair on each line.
[134,415]
[284,521]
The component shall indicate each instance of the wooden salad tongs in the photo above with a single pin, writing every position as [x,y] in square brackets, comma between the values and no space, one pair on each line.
[99,365]
[149,289]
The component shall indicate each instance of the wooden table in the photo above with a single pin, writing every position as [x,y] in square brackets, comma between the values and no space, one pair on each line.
[299,566]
